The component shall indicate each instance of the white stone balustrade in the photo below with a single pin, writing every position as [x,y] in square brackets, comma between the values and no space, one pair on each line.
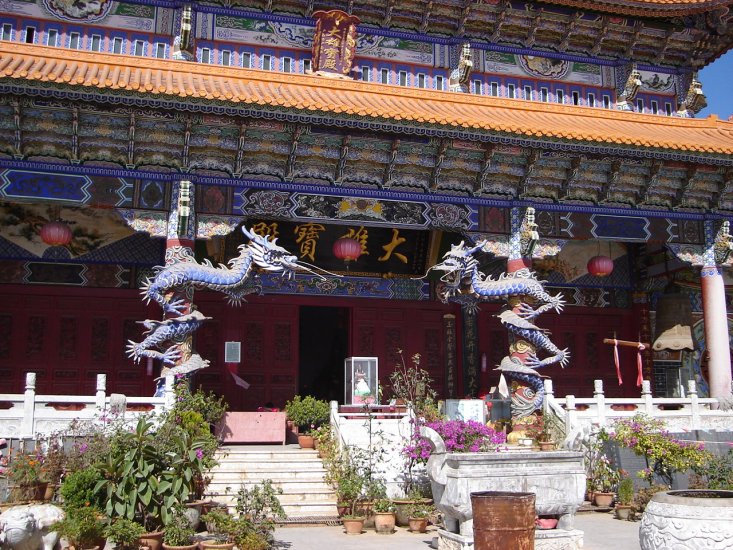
[27,415]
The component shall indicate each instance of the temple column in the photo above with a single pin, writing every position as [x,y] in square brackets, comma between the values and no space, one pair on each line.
[716,330]
[179,246]
[712,257]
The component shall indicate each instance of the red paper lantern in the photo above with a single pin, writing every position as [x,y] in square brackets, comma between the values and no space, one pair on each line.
[600,266]
[56,234]
[347,249]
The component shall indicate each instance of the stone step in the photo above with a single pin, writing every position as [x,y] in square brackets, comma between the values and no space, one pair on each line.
[288,488]
[284,465]
[271,473]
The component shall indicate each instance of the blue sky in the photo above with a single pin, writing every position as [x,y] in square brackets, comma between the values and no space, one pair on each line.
[716,81]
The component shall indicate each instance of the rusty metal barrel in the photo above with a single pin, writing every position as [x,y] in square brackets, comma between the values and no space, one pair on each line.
[503,520]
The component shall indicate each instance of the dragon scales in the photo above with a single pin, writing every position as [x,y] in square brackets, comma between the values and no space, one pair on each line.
[526,298]
[166,340]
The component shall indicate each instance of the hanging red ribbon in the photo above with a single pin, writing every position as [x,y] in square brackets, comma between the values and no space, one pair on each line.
[639,375]
[615,360]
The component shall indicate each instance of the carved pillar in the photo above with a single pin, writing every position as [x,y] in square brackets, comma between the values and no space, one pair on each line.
[179,248]
[715,253]
[461,66]
[334,43]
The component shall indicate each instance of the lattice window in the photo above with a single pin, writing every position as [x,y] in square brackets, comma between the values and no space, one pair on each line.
[283,343]
[6,333]
[100,339]
[67,338]
[36,333]
[253,341]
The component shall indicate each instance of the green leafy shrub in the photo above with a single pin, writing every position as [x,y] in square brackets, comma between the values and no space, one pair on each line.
[178,530]
[126,533]
[383,505]
[625,493]
[77,489]
[262,507]
[82,527]
[308,413]
[716,472]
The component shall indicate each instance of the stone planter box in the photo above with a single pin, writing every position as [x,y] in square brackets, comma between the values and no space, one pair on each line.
[691,519]
[556,477]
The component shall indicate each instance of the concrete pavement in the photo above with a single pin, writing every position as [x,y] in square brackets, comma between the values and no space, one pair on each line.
[601,532]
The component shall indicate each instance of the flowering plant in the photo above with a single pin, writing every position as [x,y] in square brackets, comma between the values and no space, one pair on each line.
[604,477]
[26,469]
[664,455]
[459,437]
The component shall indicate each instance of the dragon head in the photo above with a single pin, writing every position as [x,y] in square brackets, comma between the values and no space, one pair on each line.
[457,264]
[267,255]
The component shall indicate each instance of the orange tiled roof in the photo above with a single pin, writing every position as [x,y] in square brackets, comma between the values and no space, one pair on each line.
[30,65]
[655,8]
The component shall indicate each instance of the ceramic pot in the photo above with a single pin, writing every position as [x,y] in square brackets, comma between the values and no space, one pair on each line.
[623,511]
[306,441]
[384,522]
[154,541]
[213,545]
[418,525]
[402,510]
[353,526]
[187,547]
[603,499]
[689,519]
[547,445]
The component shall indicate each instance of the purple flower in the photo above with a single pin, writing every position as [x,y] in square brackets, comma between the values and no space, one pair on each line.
[199,454]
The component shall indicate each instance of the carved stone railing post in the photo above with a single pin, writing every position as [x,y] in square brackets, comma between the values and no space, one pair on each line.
[549,395]
[101,396]
[170,394]
[646,395]
[600,401]
[571,414]
[29,405]
[694,405]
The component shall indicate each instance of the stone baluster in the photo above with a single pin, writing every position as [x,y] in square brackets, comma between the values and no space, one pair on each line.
[600,401]
[29,406]
[571,414]
[101,396]
[169,393]
[646,395]
[549,395]
[694,405]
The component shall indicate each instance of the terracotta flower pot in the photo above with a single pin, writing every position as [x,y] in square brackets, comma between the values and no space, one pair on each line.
[193,546]
[353,526]
[384,522]
[623,512]
[213,545]
[547,445]
[602,499]
[418,525]
[154,541]
[306,441]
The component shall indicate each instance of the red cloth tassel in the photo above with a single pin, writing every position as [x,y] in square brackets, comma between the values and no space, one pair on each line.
[639,375]
[615,360]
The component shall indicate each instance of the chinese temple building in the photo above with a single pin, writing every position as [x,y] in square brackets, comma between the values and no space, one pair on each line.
[368,137]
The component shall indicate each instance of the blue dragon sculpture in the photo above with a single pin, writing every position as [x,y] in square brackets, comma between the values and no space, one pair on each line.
[260,252]
[158,333]
[527,298]
[165,340]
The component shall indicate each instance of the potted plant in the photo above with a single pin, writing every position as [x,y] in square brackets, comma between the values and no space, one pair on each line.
[418,513]
[25,473]
[230,531]
[540,431]
[178,533]
[624,499]
[384,516]
[307,413]
[125,533]
[82,527]
[605,478]
[403,506]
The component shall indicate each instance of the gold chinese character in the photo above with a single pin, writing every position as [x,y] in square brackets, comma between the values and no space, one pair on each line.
[361,235]
[389,248]
[307,237]
[263,229]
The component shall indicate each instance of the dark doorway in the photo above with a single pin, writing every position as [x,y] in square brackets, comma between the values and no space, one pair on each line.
[324,337]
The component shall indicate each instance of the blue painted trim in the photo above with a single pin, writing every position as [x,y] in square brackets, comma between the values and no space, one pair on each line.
[194,105]
[424,198]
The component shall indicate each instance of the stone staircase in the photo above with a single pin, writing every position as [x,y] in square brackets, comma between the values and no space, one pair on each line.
[306,497]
